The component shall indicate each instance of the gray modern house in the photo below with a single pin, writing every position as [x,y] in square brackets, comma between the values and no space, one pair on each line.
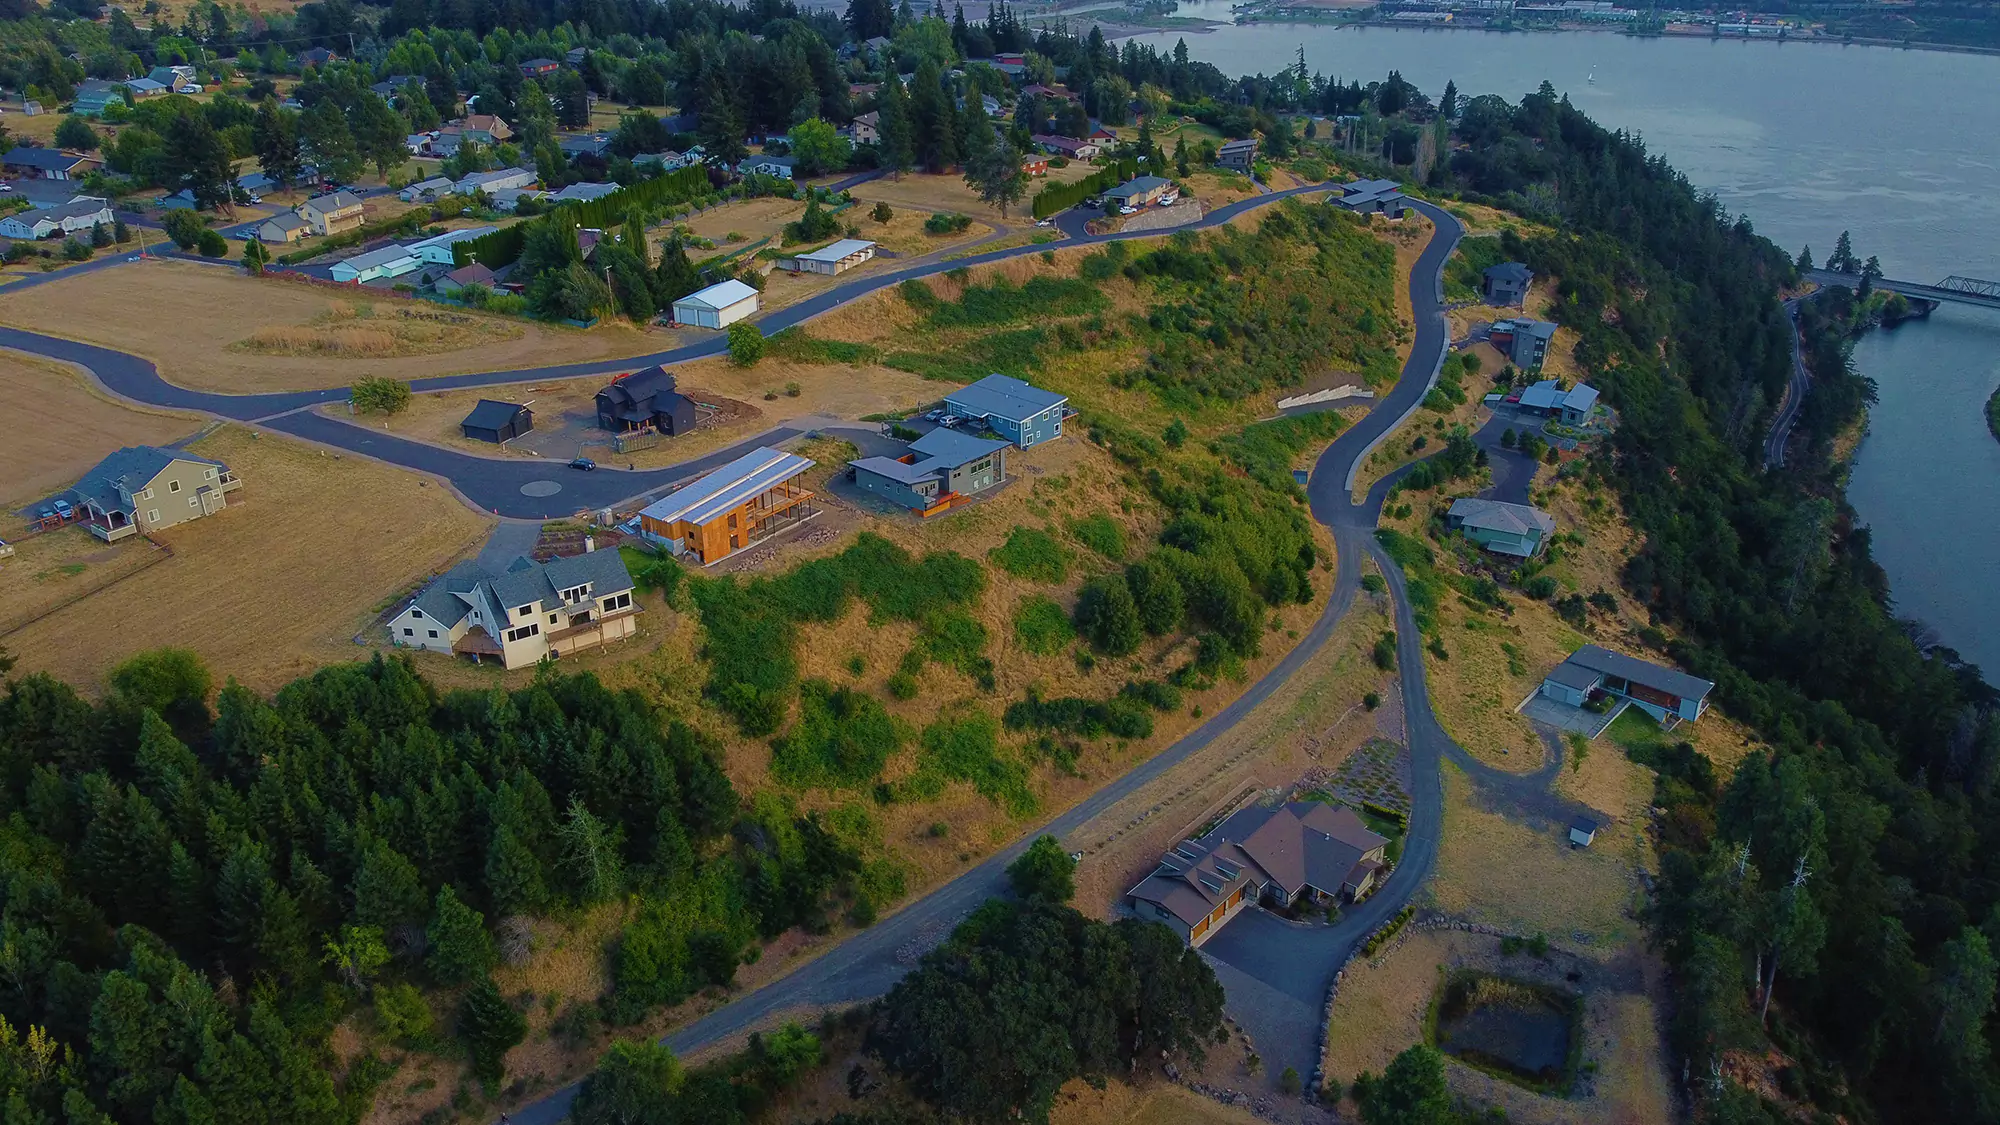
[1505,284]
[1572,407]
[1237,156]
[1370,197]
[1020,412]
[943,469]
[1525,341]
[146,488]
[1500,527]
[1667,694]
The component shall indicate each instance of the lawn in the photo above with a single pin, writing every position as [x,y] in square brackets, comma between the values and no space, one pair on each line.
[185,317]
[61,424]
[273,587]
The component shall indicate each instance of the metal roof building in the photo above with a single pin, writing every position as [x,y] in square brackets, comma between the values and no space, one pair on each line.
[1020,412]
[835,258]
[718,306]
[732,507]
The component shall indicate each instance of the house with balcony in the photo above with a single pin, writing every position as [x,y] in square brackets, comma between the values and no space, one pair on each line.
[942,470]
[1669,695]
[519,616]
[144,488]
[748,500]
[332,213]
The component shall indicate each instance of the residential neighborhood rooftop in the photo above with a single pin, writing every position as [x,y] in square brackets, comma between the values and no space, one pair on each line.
[1006,396]
[1673,681]
[129,469]
[728,486]
[1499,515]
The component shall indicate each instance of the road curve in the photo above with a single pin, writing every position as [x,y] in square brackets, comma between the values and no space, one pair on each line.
[865,964]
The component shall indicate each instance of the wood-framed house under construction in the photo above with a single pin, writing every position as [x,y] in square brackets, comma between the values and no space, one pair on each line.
[755,496]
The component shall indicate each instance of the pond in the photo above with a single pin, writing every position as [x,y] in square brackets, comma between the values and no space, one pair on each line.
[1509,1028]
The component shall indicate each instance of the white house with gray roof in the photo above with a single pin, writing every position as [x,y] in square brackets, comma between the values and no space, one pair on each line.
[521,615]
[144,488]
[76,216]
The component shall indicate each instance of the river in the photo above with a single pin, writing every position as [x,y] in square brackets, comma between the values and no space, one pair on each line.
[1897,146]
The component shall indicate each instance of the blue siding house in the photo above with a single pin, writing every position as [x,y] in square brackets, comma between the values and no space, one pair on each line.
[1021,413]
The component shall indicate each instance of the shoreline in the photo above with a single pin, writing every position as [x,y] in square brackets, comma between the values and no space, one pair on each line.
[1114,31]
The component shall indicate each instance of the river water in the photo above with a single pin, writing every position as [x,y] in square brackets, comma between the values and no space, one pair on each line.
[1897,146]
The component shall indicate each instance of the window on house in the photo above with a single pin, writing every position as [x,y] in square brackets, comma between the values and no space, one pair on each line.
[417,613]
[152,515]
[209,473]
[525,611]
[409,632]
[173,486]
[732,519]
[617,601]
[146,495]
[552,618]
[434,634]
[194,502]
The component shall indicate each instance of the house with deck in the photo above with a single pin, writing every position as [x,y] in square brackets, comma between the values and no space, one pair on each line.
[1503,528]
[1572,407]
[332,213]
[521,615]
[1300,854]
[1669,695]
[144,488]
[1020,412]
[745,501]
[942,470]
[1523,340]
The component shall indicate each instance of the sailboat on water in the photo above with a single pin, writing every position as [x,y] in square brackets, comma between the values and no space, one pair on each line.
[1591,78]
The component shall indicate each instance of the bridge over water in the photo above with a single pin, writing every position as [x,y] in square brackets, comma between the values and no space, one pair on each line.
[1964,290]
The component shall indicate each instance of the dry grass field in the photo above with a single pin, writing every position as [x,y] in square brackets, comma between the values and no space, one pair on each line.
[366,330]
[193,313]
[60,424]
[753,219]
[273,587]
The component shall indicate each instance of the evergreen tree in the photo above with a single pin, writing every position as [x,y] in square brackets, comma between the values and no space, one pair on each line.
[330,143]
[490,1028]
[255,257]
[1044,872]
[460,948]
[197,161]
[387,891]
[275,137]
[1106,614]
[897,140]
[1843,260]
[1805,260]
[1410,1092]
[379,134]
[75,133]
[1448,103]
[675,276]
[933,123]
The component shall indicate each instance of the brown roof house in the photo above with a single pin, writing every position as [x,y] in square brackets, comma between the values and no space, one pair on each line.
[1300,854]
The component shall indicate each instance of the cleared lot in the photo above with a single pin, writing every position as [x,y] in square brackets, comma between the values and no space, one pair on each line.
[59,425]
[185,317]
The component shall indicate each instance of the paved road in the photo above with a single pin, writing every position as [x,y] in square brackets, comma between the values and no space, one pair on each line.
[865,965]
[1795,396]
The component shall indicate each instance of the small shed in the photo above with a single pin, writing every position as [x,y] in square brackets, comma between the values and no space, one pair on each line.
[718,306]
[497,422]
[1582,831]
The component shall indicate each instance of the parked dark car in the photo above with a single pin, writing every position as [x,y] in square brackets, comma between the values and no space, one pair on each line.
[584,463]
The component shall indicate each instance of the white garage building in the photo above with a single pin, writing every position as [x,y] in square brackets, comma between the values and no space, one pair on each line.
[718,306]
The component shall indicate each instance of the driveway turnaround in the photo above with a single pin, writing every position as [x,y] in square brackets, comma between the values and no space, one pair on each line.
[1277,971]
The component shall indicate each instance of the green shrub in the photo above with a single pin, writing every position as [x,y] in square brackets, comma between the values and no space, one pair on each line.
[902,686]
[1371,701]
[1044,872]
[746,344]
[1153,693]
[1541,587]
[372,395]
[1086,718]
[1032,554]
[946,222]
[882,213]
[212,244]
[966,747]
[1041,626]
[842,738]
[1102,534]
[1385,652]
[1107,614]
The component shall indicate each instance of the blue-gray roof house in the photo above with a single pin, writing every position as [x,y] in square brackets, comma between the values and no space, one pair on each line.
[1505,284]
[943,469]
[1571,407]
[147,488]
[1667,694]
[530,612]
[1020,412]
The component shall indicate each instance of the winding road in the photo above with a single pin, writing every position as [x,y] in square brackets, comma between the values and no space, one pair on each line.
[1276,972]
[1795,396]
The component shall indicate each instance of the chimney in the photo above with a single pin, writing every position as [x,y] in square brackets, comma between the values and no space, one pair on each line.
[589,544]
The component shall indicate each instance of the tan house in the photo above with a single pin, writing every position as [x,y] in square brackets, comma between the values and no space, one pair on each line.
[332,213]
[1300,854]
[146,488]
[282,228]
[528,612]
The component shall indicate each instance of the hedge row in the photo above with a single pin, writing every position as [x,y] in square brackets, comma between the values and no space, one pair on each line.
[1386,813]
[503,246]
[1057,197]
[1382,936]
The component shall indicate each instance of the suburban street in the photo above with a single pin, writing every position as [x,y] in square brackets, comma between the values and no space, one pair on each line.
[1277,972]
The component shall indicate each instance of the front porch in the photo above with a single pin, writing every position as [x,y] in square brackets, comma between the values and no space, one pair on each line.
[112,526]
